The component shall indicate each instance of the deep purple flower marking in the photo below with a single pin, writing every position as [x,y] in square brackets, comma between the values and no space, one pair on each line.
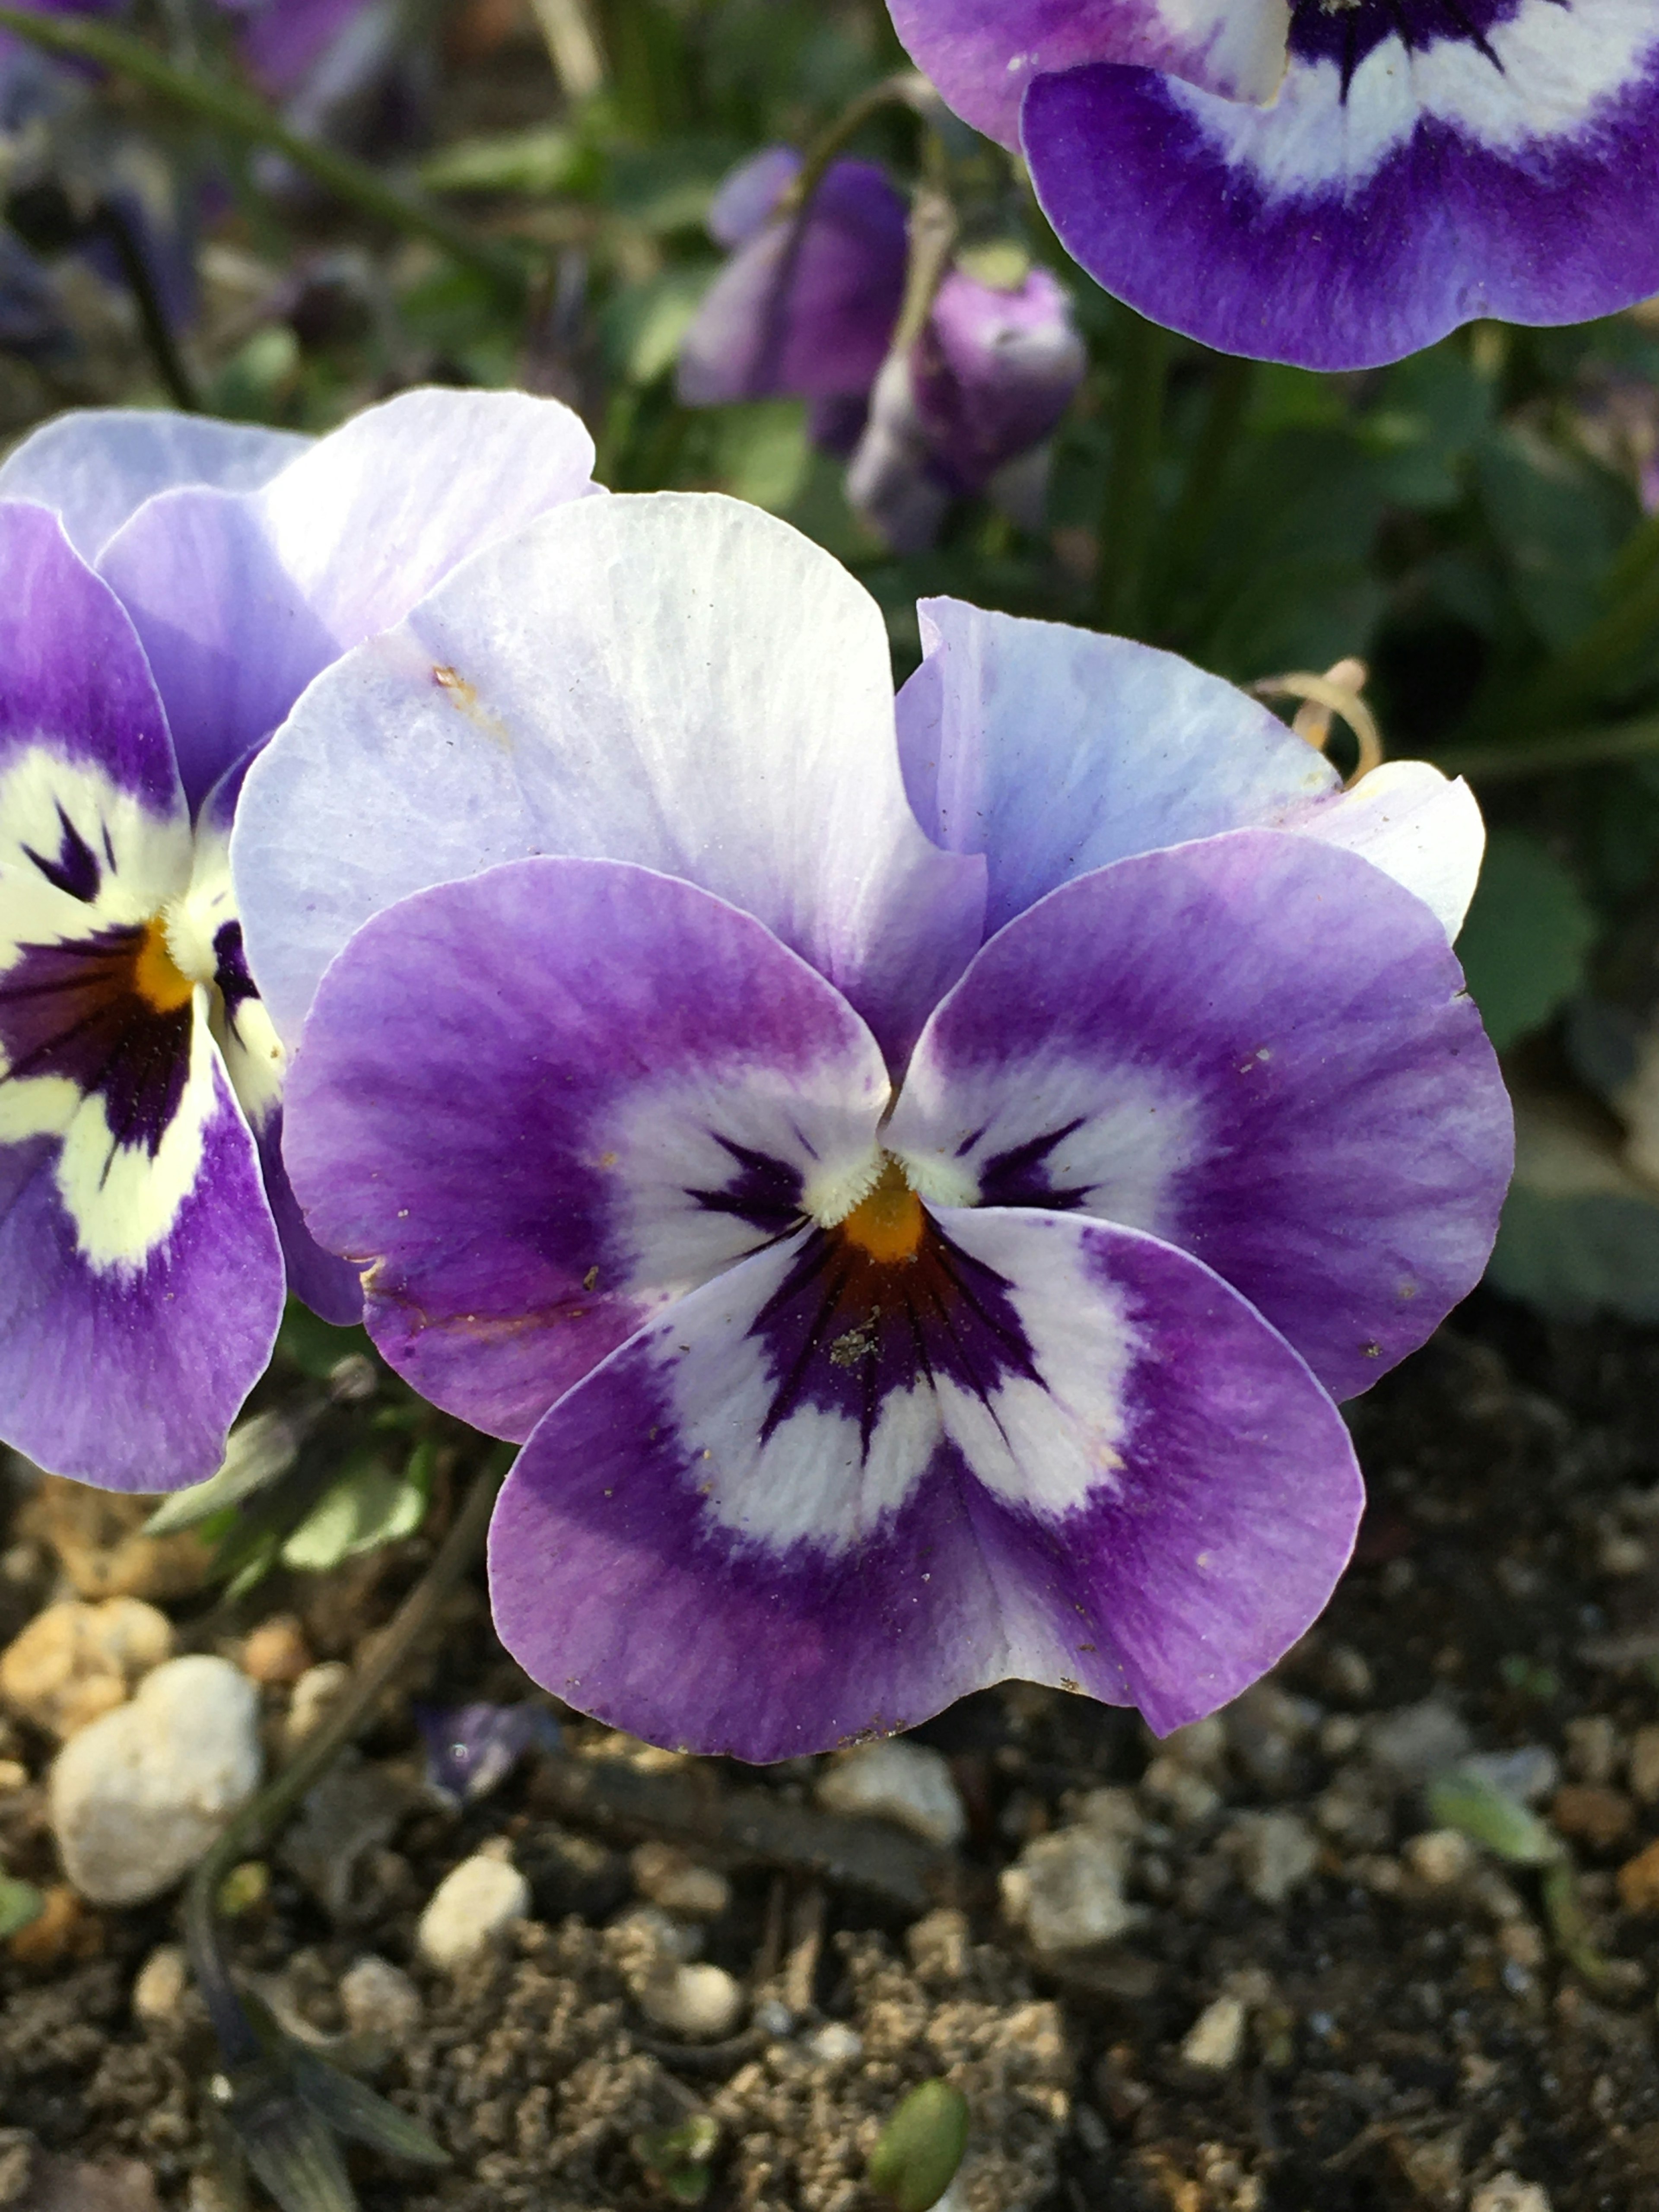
[1332,185]
[147,1228]
[907,1260]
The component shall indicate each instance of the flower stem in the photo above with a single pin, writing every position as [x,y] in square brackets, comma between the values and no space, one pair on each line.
[1233,382]
[152,315]
[1126,528]
[244,117]
[263,1814]
[905,88]
[1570,749]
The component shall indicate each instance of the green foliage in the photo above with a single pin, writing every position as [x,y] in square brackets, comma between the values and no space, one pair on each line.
[1528,934]
[919,2150]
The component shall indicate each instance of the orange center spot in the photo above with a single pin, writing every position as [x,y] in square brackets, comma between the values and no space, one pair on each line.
[888,1224]
[155,975]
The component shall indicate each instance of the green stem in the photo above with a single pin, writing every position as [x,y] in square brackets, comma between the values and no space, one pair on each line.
[1233,382]
[262,1815]
[244,117]
[152,315]
[905,88]
[1126,528]
[1507,763]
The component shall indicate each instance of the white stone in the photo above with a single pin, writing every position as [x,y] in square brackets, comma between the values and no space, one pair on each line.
[1276,1852]
[1066,1890]
[700,2004]
[469,1909]
[160,1987]
[835,2043]
[1441,1857]
[1418,1741]
[379,1999]
[313,1693]
[905,1783]
[139,1796]
[1507,2192]
[673,1880]
[1178,1788]
[1216,2037]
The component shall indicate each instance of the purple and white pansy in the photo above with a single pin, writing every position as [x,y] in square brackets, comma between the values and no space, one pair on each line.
[908,1260]
[1331,185]
[168,588]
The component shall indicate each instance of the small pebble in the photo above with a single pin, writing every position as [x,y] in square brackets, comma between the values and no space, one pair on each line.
[277,1652]
[1638,1881]
[74,1663]
[64,1929]
[379,1999]
[471,1906]
[1642,1772]
[1276,1852]
[1347,1673]
[1418,1741]
[701,2003]
[14,1774]
[835,2043]
[313,1693]
[1201,1745]
[1529,1773]
[1441,1857]
[1066,1890]
[1507,2192]
[138,1796]
[673,1880]
[774,2018]
[1110,1812]
[1592,1815]
[1216,2038]
[1178,1789]
[159,1989]
[909,1783]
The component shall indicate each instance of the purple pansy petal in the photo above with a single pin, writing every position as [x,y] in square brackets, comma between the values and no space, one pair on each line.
[95,467]
[141,1283]
[1055,750]
[982,54]
[1255,1047]
[728,1538]
[994,372]
[471,1749]
[78,706]
[1421,167]
[332,1287]
[749,192]
[538,1103]
[806,307]
[342,543]
[280,40]
[673,679]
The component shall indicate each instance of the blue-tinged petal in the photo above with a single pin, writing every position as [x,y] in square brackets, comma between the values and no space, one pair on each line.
[1424,164]
[1255,1047]
[96,466]
[831,1491]
[676,680]
[984,54]
[240,598]
[1053,751]
[537,1104]
[141,1281]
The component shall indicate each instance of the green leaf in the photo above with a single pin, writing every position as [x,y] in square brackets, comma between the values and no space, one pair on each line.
[1524,944]
[763,453]
[289,2146]
[367,1504]
[260,1449]
[1557,522]
[316,1347]
[642,326]
[20,1905]
[352,2108]
[1580,1233]
[917,2157]
[1480,1811]
[537,162]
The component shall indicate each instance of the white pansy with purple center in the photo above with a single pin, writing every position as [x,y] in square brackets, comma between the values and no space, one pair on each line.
[1332,185]
[907,1260]
[168,588]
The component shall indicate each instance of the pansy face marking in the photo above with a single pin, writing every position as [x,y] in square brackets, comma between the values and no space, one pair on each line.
[1331,185]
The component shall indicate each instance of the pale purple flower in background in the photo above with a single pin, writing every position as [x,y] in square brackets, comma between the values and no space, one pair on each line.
[809,307]
[471,1749]
[168,587]
[907,1259]
[1330,185]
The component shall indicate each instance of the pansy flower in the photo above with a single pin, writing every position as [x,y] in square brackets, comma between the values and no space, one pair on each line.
[1331,185]
[907,1260]
[168,588]
[808,305]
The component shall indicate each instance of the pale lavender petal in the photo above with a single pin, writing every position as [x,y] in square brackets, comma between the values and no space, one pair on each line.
[1256,1047]
[994,372]
[675,679]
[750,193]
[984,54]
[94,467]
[1421,166]
[240,599]
[537,1104]
[782,1517]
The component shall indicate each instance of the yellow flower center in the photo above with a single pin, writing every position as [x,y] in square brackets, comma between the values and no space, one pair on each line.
[888,1223]
[156,976]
